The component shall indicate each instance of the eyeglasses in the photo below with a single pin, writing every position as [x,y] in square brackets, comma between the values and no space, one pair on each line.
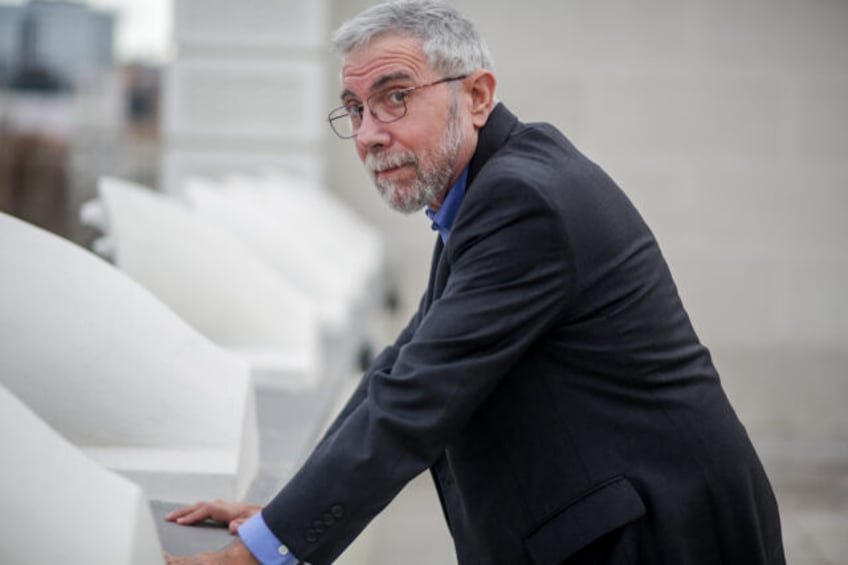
[386,106]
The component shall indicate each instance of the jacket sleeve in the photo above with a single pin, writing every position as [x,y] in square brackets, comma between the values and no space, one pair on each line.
[508,261]
[381,364]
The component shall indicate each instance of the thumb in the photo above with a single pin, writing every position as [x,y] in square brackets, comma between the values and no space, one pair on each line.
[234,524]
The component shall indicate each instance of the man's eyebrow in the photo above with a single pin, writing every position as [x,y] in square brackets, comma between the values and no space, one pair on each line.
[379,83]
[386,79]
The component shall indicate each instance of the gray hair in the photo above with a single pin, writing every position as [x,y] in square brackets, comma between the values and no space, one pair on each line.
[449,40]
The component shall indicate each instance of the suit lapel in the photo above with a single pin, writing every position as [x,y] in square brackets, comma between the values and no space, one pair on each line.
[432,285]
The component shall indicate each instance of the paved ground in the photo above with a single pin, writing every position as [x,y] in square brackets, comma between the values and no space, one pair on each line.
[814,511]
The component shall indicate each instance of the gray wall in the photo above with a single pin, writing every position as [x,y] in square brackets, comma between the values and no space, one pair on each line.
[727,124]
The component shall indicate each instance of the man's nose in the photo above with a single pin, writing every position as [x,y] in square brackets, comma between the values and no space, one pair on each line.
[371,131]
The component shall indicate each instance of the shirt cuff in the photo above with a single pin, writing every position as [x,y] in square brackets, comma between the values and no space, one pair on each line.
[263,544]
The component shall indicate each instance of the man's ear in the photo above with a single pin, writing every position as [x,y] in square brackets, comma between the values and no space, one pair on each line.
[482,90]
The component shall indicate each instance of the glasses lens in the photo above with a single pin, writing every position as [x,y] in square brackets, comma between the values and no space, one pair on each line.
[341,123]
[389,106]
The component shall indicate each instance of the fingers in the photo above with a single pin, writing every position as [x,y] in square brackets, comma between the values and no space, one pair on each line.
[235,554]
[201,559]
[170,559]
[180,513]
[218,510]
[194,513]
[234,525]
[173,515]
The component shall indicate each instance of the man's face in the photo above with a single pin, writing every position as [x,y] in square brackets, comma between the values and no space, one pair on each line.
[415,159]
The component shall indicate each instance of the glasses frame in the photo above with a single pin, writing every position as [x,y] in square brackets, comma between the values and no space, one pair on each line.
[342,112]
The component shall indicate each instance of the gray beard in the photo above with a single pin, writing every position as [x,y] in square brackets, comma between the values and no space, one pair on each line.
[430,182]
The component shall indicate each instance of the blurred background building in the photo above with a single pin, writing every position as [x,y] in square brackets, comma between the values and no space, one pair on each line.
[725,122]
[70,110]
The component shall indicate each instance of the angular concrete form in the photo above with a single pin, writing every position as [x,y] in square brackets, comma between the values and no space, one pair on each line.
[362,247]
[283,240]
[59,506]
[118,374]
[214,282]
[312,239]
[355,245]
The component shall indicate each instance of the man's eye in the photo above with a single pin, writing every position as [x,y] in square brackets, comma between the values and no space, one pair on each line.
[353,108]
[395,97]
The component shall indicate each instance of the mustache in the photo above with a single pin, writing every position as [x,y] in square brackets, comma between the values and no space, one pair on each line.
[378,162]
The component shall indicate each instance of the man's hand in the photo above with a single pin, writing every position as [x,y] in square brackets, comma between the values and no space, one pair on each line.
[233,514]
[234,554]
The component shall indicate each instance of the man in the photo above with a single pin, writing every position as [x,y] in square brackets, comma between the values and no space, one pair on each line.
[550,380]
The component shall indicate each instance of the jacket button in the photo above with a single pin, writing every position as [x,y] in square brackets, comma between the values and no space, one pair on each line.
[337,510]
[328,519]
[311,536]
[318,526]
[283,550]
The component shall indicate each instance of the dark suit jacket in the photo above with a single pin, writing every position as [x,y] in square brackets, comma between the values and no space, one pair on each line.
[553,384]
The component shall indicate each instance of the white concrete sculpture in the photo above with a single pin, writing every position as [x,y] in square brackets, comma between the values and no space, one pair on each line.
[118,374]
[310,263]
[180,163]
[215,283]
[356,247]
[59,506]
[311,238]
[354,244]
[92,214]
[361,241]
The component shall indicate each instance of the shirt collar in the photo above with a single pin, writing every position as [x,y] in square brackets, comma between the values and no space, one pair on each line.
[443,218]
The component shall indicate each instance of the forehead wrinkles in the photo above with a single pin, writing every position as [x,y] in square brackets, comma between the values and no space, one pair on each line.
[368,64]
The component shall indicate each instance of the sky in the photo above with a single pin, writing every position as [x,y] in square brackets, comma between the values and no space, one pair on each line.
[143,27]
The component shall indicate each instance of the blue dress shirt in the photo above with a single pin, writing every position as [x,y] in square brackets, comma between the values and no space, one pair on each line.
[259,539]
[263,544]
[444,217]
